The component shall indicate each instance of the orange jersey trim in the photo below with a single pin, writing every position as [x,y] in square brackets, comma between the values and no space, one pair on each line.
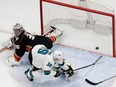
[17,58]
[28,48]
[52,38]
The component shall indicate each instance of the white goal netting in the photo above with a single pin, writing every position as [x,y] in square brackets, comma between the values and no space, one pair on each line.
[90,18]
[57,14]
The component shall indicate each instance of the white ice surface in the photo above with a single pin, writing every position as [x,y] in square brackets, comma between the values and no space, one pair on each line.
[103,69]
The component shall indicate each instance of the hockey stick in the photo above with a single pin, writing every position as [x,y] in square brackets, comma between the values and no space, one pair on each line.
[89,64]
[3,49]
[5,31]
[93,83]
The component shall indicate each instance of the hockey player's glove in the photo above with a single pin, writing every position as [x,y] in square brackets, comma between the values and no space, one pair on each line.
[57,73]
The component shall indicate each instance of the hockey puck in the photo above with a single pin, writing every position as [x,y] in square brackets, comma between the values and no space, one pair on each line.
[97,48]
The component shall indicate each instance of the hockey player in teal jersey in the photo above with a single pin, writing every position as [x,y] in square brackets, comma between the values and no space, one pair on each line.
[50,62]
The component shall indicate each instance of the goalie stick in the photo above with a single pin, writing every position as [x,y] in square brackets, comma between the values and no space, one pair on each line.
[5,31]
[3,49]
[93,83]
[89,64]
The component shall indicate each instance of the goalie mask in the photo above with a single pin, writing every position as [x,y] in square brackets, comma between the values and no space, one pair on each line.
[17,29]
[57,55]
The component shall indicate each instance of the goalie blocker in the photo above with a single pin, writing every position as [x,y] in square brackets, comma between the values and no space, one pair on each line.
[49,62]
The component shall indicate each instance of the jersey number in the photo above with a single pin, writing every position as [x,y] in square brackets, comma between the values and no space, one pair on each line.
[30,36]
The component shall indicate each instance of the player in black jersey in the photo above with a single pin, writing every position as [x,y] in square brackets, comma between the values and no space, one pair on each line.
[25,41]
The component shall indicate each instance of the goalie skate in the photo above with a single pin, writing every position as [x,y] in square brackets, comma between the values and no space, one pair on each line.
[50,30]
[53,31]
[57,31]
[70,78]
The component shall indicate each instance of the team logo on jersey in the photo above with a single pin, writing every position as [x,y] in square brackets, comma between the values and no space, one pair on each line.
[43,51]
[49,64]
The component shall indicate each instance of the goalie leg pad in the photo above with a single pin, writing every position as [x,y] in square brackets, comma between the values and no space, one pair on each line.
[57,31]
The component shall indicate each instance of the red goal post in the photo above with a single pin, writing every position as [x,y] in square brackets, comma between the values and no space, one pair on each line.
[83,9]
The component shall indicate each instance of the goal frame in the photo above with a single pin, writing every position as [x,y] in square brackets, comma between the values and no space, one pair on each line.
[83,9]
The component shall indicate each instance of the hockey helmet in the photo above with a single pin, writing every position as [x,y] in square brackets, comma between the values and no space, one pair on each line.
[58,54]
[17,29]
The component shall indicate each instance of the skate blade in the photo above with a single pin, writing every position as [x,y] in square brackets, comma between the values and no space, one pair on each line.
[73,77]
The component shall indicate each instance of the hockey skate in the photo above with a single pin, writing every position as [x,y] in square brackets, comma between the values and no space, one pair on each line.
[50,30]
[28,75]
[71,77]
[12,62]
[70,74]
[53,31]
[57,31]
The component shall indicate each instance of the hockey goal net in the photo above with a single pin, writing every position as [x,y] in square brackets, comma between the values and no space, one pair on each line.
[86,24]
